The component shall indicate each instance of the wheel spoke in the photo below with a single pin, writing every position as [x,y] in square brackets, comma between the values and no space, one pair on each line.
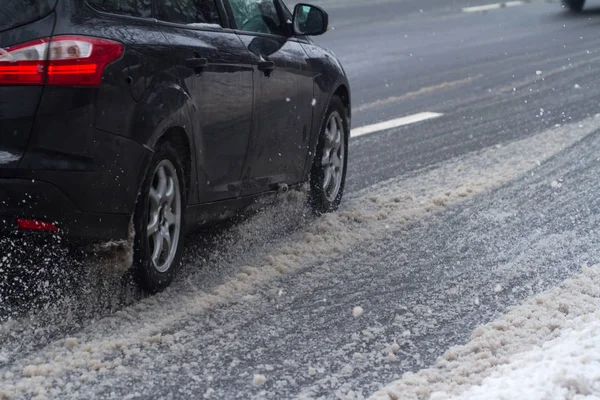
[337,139]
[326,157]
[158,247]
[327,178]
[167,237]
[170,192]
[332,130]
[170,217]
[154,200]
[153,224]
[335,160]
[162,183]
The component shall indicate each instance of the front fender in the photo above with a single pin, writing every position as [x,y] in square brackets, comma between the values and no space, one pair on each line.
[329,78]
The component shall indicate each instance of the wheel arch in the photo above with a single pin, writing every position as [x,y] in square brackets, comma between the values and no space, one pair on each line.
[178,137]
[343,93]
[165,116]
[342,90]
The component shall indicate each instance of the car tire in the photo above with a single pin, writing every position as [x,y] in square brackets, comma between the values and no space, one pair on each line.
[574,5]
[328,172]
[159,221]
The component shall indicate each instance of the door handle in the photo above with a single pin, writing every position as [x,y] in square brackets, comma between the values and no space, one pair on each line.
[266,66]
[196,63]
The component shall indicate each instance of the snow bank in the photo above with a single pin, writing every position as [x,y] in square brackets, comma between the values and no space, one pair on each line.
[562,368]
[546,348]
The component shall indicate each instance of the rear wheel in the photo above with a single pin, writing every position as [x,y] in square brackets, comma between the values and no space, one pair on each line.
[159,221]
[574,5]
[328,174]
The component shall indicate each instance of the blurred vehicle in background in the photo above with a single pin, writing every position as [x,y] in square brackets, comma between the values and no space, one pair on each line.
[574,5]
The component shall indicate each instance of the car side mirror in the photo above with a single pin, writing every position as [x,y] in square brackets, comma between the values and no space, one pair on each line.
[309,20]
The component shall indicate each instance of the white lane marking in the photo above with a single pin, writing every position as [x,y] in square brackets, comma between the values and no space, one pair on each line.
[394,123]
[494,6]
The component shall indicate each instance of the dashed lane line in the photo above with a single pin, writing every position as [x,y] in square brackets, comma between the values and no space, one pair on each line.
[494,6]
[394,123]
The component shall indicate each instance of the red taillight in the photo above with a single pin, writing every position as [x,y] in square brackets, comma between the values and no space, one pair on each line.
[35,225]
[61,60]
[23,64]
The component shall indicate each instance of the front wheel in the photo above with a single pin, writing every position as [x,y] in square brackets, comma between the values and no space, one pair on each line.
[574,5]
[159,221]
[328,174]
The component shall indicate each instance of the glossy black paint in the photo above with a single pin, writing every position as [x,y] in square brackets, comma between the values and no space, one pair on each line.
[283,117]
[238,105]
[19,104]
[220,105]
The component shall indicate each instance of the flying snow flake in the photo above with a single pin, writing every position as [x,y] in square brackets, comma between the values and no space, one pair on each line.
[538,72]
[259,379]
[287,99]
[357,312]
[313,102]
[555,185]
[576,86]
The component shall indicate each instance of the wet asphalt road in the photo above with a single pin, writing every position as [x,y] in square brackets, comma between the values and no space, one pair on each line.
[479,69]
[498,77]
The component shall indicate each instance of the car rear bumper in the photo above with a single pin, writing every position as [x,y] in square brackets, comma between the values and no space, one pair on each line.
[89,196]
[42,201]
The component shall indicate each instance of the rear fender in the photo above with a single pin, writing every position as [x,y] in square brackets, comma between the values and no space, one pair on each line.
[166,106]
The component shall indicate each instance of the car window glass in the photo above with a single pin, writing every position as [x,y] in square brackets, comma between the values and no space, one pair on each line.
[134,8]
[189,11]
[256,16]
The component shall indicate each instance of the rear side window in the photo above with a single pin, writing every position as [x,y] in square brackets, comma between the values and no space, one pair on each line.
[133,8]
[15,13]
[189,11]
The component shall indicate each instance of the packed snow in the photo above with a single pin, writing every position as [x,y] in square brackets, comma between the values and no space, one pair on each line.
[148,330]
[546,348]
[567,367]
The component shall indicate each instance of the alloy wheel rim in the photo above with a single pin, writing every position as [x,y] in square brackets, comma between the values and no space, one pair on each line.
[164,215]
[333,156]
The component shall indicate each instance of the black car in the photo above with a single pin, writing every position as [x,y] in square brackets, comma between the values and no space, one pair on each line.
[139,119]
[574,5]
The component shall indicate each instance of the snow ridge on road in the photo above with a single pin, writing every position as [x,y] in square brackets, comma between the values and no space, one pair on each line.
[75,365]
[511,352]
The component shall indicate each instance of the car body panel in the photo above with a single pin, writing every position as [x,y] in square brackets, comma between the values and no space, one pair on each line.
[283,114]
[221,105]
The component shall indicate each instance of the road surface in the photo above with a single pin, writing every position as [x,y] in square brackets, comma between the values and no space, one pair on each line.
[446,223]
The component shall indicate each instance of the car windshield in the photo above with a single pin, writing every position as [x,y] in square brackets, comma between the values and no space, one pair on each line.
[14,13]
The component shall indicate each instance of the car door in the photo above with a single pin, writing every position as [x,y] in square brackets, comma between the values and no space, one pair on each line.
[215,69]
[283,85]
